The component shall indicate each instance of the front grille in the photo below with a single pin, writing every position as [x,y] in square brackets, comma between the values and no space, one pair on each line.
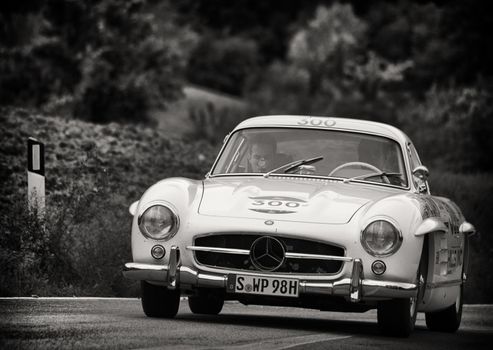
[290,265]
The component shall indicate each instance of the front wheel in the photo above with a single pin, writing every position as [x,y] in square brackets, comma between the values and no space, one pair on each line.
[447,320]
[397,317]
[158,301]
[206,303]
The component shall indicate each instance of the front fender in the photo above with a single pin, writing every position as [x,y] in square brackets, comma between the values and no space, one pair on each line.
[405,216]
[183,195]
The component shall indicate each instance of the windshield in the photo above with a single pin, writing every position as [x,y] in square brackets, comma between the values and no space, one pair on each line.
[346,155]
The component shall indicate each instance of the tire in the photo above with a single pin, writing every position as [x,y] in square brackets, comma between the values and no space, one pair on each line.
[447,320]
[159,301]
[206,303]
[397,317]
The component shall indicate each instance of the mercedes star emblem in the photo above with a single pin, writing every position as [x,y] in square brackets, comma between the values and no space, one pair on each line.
[267,253]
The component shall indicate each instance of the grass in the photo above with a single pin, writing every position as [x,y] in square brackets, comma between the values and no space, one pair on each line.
[176,120]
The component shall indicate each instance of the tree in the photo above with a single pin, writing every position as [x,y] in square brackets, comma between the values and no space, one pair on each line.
[110,57]
[330,41]
[452,127]
[223,64]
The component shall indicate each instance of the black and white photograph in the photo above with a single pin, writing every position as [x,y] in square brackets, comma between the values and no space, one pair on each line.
[262,174]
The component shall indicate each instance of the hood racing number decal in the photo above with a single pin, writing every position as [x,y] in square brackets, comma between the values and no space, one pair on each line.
[276,204]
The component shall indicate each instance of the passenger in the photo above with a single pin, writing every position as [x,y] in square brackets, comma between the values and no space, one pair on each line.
[381,156]
[374,153]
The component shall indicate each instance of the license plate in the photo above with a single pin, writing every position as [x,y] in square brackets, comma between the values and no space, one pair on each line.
[286,287]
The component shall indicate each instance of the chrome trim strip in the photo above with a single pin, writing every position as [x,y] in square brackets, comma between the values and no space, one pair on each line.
[356,281]
[443,284]
[287,255]
[219,250]
[316,288]
[390,285]
[346,287]
[173,267]
[147,272]
[138,266]
[317,257]
[387,289]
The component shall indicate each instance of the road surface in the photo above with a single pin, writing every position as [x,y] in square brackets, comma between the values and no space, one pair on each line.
[37,323]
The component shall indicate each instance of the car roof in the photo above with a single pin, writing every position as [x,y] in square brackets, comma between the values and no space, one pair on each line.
[318,122]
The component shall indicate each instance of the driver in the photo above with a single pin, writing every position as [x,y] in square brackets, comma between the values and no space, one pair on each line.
[261,154]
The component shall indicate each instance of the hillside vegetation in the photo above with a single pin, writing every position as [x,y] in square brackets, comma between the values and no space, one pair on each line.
[93,173]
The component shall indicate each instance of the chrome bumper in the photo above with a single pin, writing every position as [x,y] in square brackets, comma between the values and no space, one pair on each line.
[355,288]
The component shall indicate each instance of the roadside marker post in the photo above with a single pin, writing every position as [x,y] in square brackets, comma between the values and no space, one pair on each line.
[35,175]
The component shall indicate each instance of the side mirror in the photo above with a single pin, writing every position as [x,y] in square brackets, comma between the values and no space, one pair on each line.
[421,174]
[467,229]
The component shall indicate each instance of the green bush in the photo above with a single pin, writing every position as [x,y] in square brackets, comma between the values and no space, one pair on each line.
[77,247]
[93,173]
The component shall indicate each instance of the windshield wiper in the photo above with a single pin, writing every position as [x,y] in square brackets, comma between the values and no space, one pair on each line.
[293,165]
[382,174]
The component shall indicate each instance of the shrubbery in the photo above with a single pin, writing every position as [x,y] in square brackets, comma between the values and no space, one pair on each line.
[93,173]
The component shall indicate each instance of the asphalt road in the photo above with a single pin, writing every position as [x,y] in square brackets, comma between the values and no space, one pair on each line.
[120,324]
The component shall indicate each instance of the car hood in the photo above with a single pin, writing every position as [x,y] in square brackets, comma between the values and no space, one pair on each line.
[293,199]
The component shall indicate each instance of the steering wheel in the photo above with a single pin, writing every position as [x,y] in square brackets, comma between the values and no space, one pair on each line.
[350,164]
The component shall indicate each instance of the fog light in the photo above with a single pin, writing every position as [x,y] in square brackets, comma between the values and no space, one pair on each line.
[158,251]
[378,267]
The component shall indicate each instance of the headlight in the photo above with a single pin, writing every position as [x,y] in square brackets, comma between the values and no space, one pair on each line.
[158,222]
[381,238]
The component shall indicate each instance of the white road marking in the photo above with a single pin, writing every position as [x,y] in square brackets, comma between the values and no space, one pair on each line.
[273,344]
[74,298]
[64,298]
[286,343]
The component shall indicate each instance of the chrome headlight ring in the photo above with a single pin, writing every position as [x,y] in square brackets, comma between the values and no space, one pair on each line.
[381,237]
[158,220]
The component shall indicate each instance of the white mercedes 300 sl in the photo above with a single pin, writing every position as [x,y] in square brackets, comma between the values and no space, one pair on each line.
[324,213]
